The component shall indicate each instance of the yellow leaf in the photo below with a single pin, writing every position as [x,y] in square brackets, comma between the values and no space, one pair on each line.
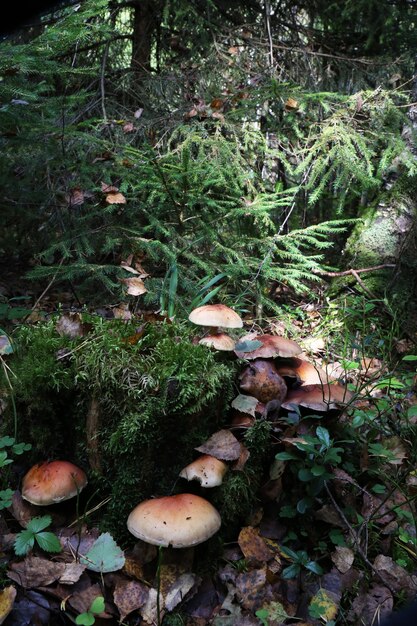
[322,606]
[7,597]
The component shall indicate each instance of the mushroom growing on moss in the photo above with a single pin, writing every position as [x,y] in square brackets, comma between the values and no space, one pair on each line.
[52,482]
[208,470]
[216,316]
[180,521]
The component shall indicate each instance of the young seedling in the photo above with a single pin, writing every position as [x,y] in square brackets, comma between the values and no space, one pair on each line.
[89,617]
[34,531]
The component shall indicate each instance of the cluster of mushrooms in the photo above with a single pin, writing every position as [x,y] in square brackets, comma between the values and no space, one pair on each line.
[277,375]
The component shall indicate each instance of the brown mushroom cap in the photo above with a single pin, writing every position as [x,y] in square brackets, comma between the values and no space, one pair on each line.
[207,469]
[220,341]
[318,397]
[303,371]
[52,482]
[215,315]
[179,521]
[272,346]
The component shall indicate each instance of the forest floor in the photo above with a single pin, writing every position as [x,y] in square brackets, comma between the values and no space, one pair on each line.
[331,536]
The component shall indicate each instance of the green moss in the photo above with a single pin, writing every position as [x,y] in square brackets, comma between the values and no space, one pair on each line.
[158,396]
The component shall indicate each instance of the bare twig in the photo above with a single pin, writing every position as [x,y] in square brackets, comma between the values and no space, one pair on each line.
[47,288]
[355,538]
[353,272]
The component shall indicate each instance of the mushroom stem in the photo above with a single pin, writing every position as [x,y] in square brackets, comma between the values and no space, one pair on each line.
[158,586]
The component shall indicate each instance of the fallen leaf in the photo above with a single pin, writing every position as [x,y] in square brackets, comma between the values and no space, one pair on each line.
[395,576]
[242,460]
[129,127]
[71,573]
[35,572]
[253,546]
[81,601]
[75,197]
[122,312]
[322,606]
[71,325]
[291,105]
[138,113]
[115,198]
[223,445]
[5,345]
[129,596]
[245,404]
[7,598]
[135,286]
[397,446]
[181,587]
[105,188]
[30,610]
[273,611]
[371,607]
[250,587]
[104,556]
[343,558]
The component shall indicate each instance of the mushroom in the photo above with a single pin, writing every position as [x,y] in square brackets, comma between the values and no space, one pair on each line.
[52,482]
[216,316]
[304,372]
[219,341]
[272,346]
[180,521]
[318,397]
[261,380]
[207,469]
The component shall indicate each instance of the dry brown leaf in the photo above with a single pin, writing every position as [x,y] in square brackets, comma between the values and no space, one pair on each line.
[291,105]
[395,576]
[223,445]
[71,573]
[115,198]
[75,197]
[398,448]
[35,572]
[81,601]
[7,597]
[217,103]
[122,312]
[71,325]
[371,607]
[245,404]
[251,588]
[242,460]
[135,286]
[253,546]
[343,558]
[129,596]
[105,188]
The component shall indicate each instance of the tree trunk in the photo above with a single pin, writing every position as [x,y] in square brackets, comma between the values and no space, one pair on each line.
[145,14]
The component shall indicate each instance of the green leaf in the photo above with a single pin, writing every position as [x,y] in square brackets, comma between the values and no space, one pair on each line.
[85,619]
[410,357]
[323,435]
[336,537]
[292,571]
[314,567]
[318,470]
[412,411]
[248,345]
[286,456]
[305,475]
[5,442]
[37,524]
[4,460]
[6,498]
[104,556]
[48,542]
[97,605]
[378,488]
[19,448]
[24,542]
